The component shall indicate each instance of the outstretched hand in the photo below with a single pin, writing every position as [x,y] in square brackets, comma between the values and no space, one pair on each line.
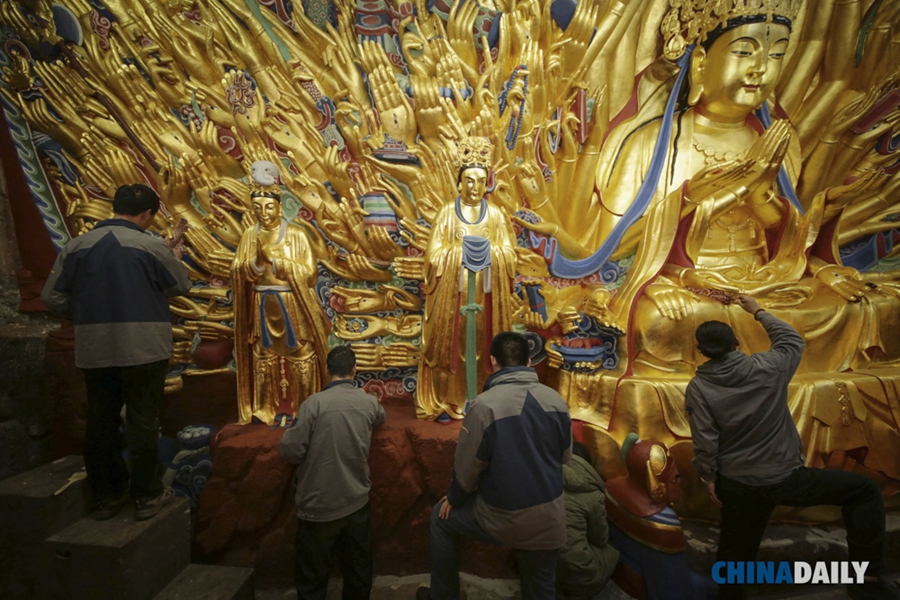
[748,303]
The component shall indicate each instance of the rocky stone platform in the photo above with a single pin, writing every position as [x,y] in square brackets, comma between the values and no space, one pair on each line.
[247,515]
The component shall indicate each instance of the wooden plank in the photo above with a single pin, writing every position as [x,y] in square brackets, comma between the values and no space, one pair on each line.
[210,582]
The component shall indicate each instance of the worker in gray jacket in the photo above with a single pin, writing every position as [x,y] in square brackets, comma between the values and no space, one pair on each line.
[329,442]
[748,451]
[114,282]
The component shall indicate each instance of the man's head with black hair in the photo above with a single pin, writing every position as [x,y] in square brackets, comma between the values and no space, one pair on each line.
[132,200]
[510,349]
[341,362]
[715,339]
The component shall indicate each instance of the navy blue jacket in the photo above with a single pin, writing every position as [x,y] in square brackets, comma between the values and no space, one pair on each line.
[512,445]
[113,282]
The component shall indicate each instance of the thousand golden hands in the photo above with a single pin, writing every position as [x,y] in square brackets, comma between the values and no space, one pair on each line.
[643,162]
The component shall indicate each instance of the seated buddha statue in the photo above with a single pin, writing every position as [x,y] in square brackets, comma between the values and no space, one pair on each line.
[722,221]
[718,217]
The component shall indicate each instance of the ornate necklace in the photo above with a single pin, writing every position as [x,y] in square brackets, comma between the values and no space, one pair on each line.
[733,229]
[712,157]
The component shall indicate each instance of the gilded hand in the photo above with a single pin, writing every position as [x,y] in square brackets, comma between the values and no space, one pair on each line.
[672,303]
[401,354]
[845,281]
[360,269]
[420,234]
[767,154]
[382,245]
[409,267]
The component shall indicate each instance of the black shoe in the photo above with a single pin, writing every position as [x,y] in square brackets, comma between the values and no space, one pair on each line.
[147,508]
[110,508]
[423,593]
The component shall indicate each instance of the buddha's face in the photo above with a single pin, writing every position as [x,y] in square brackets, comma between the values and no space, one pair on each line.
[472,184]
[740,69]
[267,212]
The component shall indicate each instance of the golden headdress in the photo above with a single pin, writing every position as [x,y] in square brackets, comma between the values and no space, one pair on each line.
[265,191]
[474,152]
[690,21]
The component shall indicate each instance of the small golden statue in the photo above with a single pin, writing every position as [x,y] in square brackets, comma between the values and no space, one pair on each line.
[470,265]
[281,335]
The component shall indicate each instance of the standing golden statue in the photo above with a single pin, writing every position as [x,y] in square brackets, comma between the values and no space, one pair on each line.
[281,335]
[469,234]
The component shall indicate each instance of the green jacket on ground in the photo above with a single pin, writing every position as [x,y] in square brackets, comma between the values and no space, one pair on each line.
[587,561]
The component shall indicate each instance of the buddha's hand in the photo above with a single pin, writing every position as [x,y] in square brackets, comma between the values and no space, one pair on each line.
[394,109]
[263,253]
[401,354]
[869,183]
[410,267]
[767,154]
[534,320]
[531,182]
[383,246]
[358,268]
[728,177]
[174,188]
[368,356]
[544,227]
[569,319]
[673,303]
[597,307]
[400,298]
[181,353]
[845,281]
[361,300]
[708,279]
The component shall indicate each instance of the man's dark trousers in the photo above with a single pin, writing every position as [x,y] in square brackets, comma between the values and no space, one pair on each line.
[140,388]
[537,568]
[746,511]
[317,544]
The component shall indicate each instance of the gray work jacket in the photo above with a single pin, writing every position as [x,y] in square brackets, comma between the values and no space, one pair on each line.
[329,442]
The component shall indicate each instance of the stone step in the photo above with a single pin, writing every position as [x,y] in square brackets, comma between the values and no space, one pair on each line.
[33,506]
[121,558]
[210,582]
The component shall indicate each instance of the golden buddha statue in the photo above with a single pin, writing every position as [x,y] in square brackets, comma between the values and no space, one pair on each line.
[720,217]
[280,332]
[576,100]
[469,218]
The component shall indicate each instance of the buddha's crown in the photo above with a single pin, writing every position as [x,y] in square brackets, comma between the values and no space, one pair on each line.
[265,191]
[474,152]
[690,21]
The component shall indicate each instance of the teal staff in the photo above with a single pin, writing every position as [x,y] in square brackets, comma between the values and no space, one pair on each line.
[468,311]
[476,256]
